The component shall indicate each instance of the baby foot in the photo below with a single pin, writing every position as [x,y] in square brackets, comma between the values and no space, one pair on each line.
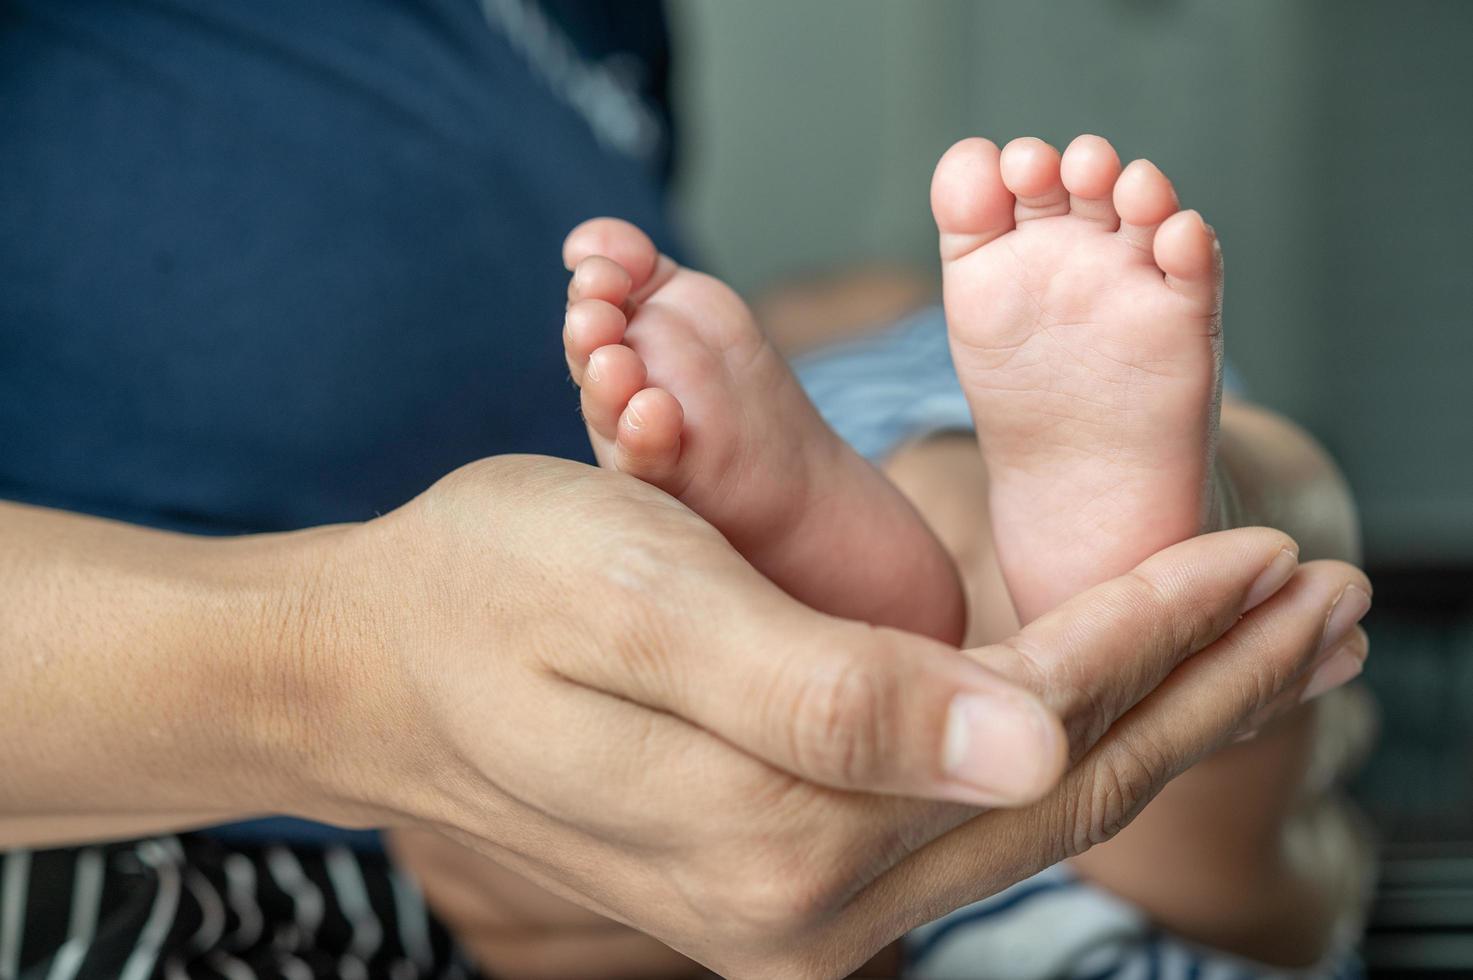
[681,389]
[1085,319]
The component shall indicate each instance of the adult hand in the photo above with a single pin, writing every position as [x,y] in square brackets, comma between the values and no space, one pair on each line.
[574,675]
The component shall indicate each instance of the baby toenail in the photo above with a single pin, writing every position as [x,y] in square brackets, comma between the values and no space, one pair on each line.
[632,417]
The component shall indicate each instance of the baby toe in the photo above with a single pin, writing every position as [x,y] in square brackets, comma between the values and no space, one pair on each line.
[1144,198]
[589,325]
[1186,250]
[599,277]
[1030,169]
[1089,170]
[614,373]
[648,441]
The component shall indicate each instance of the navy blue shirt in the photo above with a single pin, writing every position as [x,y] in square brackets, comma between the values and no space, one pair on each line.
[273,264]
[277,263]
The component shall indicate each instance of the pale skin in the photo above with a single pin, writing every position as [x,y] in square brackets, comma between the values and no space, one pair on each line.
[1069,283]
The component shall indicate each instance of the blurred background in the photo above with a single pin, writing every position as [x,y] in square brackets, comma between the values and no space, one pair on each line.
[1330,142]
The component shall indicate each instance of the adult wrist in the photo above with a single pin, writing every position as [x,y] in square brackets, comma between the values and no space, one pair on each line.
[305,675]
[152,682]
[241,674]
[338,709]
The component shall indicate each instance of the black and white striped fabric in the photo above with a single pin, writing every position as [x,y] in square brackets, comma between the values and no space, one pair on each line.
[192,907]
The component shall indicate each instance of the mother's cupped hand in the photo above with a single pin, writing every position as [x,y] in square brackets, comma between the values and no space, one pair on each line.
[570,672]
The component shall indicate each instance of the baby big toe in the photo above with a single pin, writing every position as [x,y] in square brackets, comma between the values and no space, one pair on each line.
[971,204]
[619,241]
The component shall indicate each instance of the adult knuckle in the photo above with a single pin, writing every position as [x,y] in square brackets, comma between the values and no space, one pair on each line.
[839,725]
[1146,592]
[642,641]
[1186,617]
[1032,667]
[1275,663]
[1159,611]
[783,891]
[1288,653]
[1094,710]
[1173,621]
[1121,783]
[1086,708]
[1260,687]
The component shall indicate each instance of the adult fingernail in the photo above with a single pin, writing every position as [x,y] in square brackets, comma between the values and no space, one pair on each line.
[1339,669]
[998,746]
[1348,610]
[1272,579]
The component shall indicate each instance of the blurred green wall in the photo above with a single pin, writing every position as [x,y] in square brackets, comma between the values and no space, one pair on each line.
[1329,141]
